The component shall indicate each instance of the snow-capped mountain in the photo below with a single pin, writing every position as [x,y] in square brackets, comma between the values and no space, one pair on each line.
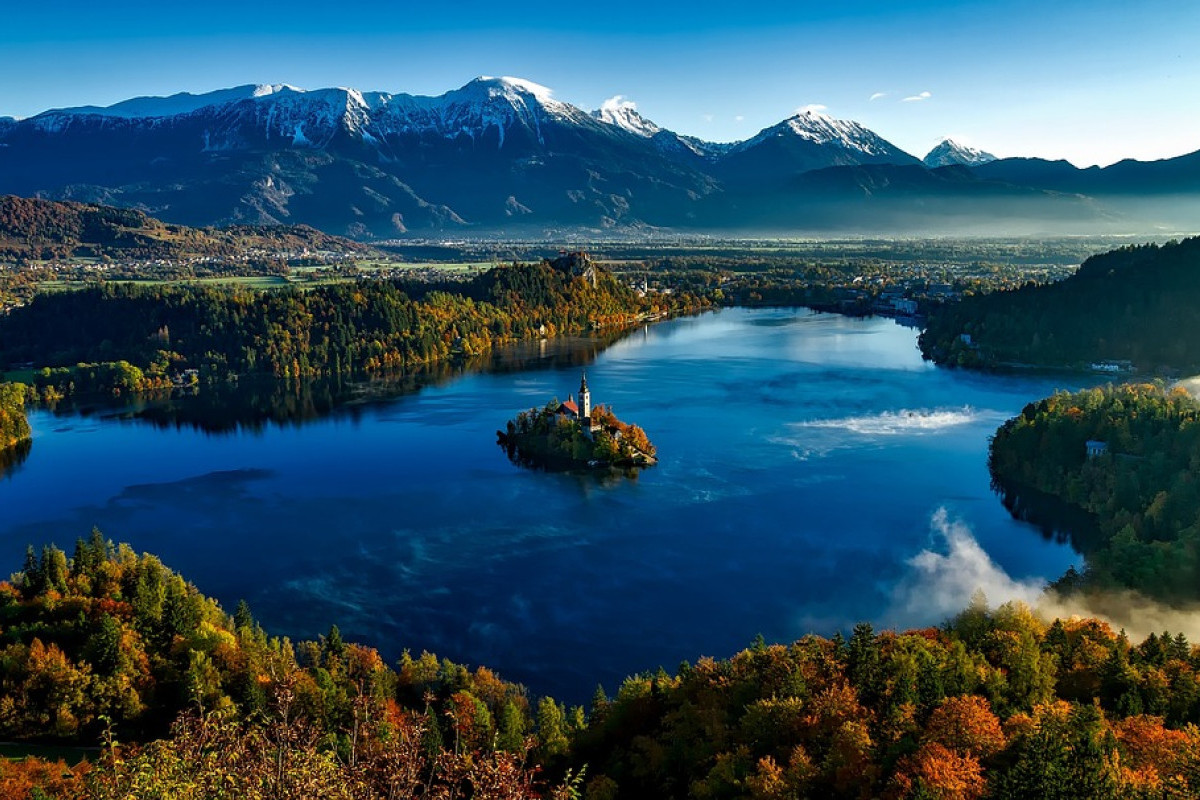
[821,129]
[493,154]
[806,141]
[949,152]
[181,103]
[624,114]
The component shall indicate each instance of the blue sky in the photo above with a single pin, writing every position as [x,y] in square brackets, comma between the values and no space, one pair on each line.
[1092,82]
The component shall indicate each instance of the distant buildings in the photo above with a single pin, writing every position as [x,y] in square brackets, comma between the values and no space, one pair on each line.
[1113,366]
[1096,448]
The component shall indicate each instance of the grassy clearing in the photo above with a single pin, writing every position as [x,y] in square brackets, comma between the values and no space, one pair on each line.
[24,376]
[59,286]
[242,281]
[300,277]
[447,266]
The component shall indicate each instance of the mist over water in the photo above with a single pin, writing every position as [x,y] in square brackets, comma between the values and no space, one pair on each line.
[944,578]
[803,457]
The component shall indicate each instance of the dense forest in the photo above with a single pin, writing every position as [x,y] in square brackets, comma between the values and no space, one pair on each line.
[45,229]
[108,643]
[14,427]
[109,646]
[1143,491]
[1139,304]
[165,334]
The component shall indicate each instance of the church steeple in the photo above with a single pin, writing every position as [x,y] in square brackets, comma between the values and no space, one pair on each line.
[585,398]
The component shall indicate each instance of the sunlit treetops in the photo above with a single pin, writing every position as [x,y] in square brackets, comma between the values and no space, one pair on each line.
[996,703]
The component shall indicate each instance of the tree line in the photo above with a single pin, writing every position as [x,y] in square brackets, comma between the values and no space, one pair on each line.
[1143,491]
[31,228]
[14,427]
[368,327]
[108,645]
[1137,304]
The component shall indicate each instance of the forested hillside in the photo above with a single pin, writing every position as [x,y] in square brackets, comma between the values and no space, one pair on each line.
[108,645]
[1139,304]
[366,327]
[108,641]
[45,229]
[1143,490]
[14,428]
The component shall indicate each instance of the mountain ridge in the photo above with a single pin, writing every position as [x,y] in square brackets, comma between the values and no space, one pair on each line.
[949,153]
[494,154]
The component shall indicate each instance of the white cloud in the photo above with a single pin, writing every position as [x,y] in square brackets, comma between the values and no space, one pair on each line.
[738,118]
[917,98]
[811,108]
[940,584]
[942,579]
[618,103]
[708,117]
[877,96]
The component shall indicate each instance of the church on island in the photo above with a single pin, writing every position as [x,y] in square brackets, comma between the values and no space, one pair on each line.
[575,434]
[581,412]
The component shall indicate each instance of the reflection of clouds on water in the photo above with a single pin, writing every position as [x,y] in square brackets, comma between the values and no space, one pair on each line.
[529,388]
[429,575]
[904,421]
[698,484]
[801,453]
[817,438]
[816,480]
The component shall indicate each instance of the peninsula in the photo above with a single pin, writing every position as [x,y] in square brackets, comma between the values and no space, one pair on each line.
[575,435]
[15,434]
[14,428]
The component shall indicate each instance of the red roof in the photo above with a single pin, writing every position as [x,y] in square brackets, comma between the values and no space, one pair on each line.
[570,406]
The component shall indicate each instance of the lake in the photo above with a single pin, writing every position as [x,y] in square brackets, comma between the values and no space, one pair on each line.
[813,472]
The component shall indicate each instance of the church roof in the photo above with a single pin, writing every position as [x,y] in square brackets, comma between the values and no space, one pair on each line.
[570,406]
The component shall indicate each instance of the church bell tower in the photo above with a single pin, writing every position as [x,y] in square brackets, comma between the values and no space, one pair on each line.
[585,399]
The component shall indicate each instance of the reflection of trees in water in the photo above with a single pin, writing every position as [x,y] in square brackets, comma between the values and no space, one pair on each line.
[1057,520]
[586,478]
[11,458]
[255,403]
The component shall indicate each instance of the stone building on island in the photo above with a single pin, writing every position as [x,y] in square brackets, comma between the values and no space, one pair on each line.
[581,411]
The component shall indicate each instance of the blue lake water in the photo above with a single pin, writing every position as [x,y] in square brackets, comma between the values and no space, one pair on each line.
[804,461]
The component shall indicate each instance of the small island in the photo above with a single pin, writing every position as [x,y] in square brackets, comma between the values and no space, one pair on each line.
[575,435]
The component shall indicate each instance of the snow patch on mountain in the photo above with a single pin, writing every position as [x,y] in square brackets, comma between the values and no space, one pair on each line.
[496,109]
[176,104]
[814,126]
[949,153]
[623,113]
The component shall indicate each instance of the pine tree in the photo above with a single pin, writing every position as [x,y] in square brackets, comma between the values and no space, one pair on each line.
[511,735]
[32,580]
[242,618]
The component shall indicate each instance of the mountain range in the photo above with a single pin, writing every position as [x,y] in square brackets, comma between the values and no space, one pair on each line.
[503,155]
